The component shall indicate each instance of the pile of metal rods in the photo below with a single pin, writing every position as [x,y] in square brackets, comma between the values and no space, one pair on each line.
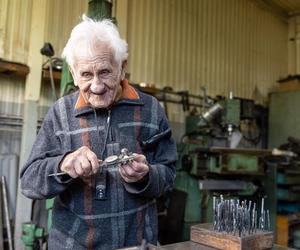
[233,216]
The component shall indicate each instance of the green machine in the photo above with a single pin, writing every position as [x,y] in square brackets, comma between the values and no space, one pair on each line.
[31,234]
[210,163]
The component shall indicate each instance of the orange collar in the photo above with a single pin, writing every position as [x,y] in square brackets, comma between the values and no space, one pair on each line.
[128,92]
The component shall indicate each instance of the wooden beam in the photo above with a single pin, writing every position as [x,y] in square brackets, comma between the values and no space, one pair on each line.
[56,75]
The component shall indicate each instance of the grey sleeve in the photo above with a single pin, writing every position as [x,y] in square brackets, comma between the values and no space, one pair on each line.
[46,155]
[161,167]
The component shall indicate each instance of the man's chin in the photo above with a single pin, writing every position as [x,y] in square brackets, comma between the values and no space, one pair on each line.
[99,104]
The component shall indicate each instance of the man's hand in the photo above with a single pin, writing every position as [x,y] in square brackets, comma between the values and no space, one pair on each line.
[136,170]
[82,162]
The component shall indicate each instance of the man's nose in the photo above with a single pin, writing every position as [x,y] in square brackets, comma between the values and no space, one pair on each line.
[97,85]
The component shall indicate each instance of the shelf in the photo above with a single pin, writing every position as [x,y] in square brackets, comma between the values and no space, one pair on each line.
[13,68]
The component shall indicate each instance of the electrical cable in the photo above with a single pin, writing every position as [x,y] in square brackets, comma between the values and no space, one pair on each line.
[52,78]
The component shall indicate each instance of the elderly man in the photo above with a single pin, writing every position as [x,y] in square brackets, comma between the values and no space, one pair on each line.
[101,206]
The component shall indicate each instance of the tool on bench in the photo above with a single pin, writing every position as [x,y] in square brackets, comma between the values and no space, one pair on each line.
[111,161]
[235,216]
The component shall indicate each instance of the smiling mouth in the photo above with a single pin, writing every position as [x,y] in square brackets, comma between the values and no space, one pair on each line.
[100,93]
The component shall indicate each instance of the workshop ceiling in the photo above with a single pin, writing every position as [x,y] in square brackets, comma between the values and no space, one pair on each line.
[290,7]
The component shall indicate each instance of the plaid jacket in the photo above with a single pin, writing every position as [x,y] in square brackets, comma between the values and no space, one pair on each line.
[128,214]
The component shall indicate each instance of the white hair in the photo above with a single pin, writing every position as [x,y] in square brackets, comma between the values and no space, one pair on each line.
[90,32]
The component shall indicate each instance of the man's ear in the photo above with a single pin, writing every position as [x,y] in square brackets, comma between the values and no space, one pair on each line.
[124,65]
[73,75]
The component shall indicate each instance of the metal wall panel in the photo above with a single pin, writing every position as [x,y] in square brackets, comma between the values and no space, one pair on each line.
[231,45]
[15,20]
[11,96]
[62,16]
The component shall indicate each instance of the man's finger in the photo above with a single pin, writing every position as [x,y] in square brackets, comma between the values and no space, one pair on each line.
[140,158]
[139,167]
[92,157]
[78,169]
[67,163]
[130,173]
[85,165]
[125,177]
[73,174]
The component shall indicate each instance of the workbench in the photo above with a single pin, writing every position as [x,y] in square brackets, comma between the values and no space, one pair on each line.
[189,245]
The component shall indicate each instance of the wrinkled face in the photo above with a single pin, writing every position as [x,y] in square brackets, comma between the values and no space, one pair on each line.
[97,76]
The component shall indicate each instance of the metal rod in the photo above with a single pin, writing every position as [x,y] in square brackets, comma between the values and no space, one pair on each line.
[7,221]
[1,220]
[214,213]
[268,217]
[262,215]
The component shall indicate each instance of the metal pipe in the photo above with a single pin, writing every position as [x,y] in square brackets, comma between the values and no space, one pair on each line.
[6,212]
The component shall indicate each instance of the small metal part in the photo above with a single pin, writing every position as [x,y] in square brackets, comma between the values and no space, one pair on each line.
[111,159]
[124,158]
[100,192]
[255,221]
[268,218]
[253,217]
[220,216]
[124,151]
[262,216]
[214,213]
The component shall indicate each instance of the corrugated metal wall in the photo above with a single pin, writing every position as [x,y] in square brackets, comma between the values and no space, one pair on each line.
[15,20]
[62,16]
[231,45]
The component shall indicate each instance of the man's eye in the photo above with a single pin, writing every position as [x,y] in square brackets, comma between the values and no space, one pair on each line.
[105,72]
[86,74]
